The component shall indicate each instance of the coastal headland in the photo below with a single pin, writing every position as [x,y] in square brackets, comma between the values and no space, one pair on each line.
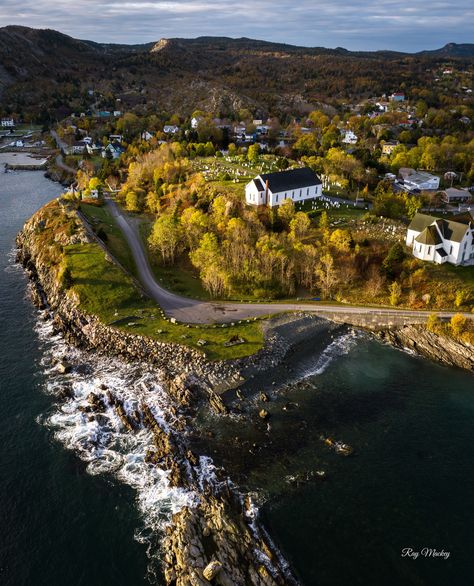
[219,539]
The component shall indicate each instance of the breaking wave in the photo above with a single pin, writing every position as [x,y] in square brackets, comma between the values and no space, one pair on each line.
[340,346]
[101,441]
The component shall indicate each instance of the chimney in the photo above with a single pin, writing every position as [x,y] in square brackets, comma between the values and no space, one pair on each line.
[266,192]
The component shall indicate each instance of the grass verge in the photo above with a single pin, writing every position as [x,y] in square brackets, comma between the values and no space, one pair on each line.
[104,290]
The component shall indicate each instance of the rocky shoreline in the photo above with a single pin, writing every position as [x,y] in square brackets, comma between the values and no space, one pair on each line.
[442,349]
[219,540]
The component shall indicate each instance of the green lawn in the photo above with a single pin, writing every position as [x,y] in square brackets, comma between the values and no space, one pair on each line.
[104,290]
[103,222]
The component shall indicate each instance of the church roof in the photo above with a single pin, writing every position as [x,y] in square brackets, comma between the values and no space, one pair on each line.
[292,179]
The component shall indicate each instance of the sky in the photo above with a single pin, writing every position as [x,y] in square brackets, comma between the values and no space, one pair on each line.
[404,25]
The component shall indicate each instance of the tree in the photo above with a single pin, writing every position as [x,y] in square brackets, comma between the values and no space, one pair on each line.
[433,323]
[195,223]
[327,274]
[324,220]
[306,145]
[412,204]
[253,153]
[300,225]
[461,297]
[286,211]
[166,237]
[132,203]
[391,263]
[341,239]
[395,293]
[458,325]
[208,259]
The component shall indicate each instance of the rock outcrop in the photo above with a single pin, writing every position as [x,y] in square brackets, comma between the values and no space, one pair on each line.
[443,349]
[218,540]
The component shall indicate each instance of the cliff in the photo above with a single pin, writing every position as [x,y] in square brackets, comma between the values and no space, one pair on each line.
[431,345]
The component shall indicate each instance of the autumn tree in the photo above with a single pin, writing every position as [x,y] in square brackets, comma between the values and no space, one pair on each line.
[458,325]
[253,153]
[341,239]
[286,211]
[395,290]
[299,225]
[166,237]
[327,275]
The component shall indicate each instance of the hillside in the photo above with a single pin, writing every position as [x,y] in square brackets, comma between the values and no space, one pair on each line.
[179,75]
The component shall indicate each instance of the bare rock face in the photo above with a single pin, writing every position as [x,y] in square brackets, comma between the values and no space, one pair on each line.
[431,345]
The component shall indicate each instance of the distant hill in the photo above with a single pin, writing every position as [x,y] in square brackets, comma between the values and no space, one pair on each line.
[47,70]
[451,50]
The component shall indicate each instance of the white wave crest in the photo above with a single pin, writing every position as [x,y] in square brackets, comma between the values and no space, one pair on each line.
[100,440]
[341,346]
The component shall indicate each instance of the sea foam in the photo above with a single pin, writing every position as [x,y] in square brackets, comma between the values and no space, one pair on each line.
[101,441]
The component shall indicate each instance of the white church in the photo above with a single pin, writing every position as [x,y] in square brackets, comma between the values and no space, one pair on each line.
[272,189]
[440,240]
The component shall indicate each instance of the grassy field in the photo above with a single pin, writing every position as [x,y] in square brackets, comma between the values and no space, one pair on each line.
[104,224]
[104,290]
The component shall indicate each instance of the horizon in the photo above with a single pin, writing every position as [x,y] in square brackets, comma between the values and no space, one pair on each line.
[233,38]
[386,25]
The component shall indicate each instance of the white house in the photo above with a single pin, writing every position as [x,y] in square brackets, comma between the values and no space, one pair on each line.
[440,240]
[115,138]
[273,188]
[76,148]
[112,149]
[146,135]
[418,179]
[349,137]
[8,123]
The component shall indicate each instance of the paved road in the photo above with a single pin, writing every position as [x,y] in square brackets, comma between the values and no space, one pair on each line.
[194,311]
[59,158]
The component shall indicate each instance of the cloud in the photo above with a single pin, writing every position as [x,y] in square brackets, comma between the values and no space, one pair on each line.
[407,25]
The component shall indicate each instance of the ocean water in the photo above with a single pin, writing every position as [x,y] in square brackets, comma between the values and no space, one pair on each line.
[58,524]
[79,506]
[408,485]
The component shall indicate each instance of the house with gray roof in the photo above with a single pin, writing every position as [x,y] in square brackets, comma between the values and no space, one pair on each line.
[272,189]
[442,240]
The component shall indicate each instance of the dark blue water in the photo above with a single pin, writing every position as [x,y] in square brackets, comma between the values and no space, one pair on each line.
[58,525]
[410,483]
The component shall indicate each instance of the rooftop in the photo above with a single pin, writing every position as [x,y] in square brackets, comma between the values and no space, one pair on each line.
[292,179]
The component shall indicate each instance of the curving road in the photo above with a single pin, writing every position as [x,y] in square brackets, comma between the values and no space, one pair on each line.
[200,312]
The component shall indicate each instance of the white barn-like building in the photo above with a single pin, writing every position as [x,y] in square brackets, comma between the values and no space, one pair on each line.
[440,240]
[272,189]
[418,179]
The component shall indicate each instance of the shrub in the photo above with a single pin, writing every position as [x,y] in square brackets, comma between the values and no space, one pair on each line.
[433,323]
[395,293]
[458,324]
